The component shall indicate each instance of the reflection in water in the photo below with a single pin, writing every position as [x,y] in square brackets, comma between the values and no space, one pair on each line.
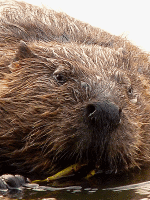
[140,188]
[37,187]
[144,185]
[134,186]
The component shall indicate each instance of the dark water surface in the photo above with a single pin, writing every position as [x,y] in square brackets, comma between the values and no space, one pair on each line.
[135,186]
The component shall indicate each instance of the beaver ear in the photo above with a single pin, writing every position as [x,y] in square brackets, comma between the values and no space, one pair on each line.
[23,52]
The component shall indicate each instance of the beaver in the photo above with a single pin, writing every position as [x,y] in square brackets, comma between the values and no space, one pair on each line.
[69,93]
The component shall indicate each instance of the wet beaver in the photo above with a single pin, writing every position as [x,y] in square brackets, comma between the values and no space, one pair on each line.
[69,93]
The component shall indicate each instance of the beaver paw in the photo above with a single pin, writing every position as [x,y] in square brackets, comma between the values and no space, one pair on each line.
[9,181]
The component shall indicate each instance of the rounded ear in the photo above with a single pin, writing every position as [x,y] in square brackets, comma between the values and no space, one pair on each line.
[24,52]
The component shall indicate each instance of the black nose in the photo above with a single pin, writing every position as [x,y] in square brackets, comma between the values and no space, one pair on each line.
[103,115]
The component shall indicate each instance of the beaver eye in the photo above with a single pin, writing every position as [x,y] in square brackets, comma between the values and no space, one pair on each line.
[130,90]
[60,78]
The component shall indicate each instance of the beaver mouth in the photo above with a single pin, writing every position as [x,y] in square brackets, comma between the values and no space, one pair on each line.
[95,157]
[91,167]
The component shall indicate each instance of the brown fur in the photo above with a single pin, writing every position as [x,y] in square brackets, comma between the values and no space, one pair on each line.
[48,84]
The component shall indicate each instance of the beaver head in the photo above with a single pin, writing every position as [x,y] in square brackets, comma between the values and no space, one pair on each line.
[62,104]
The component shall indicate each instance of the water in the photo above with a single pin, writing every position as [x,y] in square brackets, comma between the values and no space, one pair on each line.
[129,186]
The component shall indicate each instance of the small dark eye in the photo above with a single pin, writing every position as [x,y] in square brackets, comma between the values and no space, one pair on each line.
[60,78]
[130,90]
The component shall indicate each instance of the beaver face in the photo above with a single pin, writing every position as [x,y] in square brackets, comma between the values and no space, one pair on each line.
[64,104]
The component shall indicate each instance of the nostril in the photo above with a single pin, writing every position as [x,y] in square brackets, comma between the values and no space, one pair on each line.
[90,109]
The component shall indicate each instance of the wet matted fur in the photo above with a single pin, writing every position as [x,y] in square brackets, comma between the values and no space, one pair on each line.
[69,93]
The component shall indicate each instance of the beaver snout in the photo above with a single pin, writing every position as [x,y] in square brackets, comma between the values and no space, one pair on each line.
[103,116]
